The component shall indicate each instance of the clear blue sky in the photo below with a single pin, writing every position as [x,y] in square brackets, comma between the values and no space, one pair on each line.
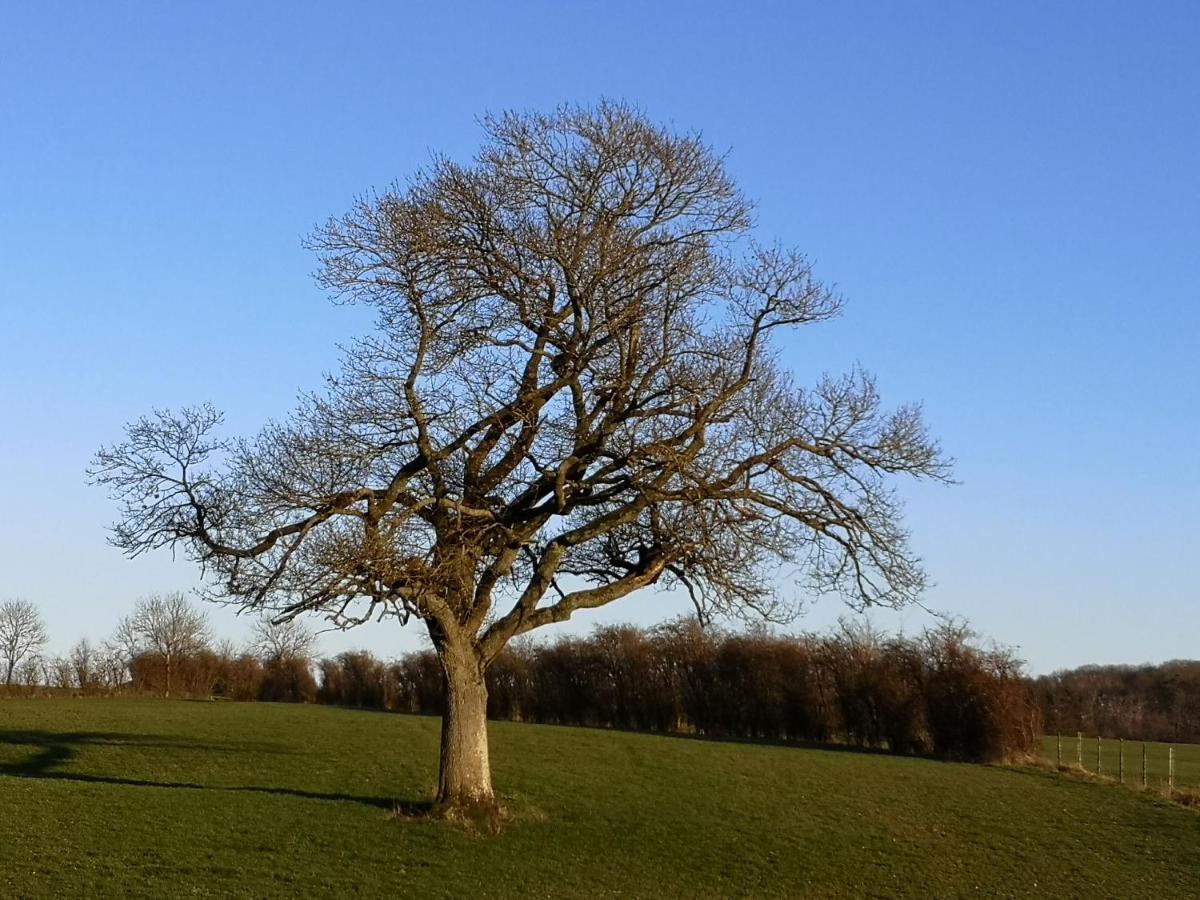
[1008,195]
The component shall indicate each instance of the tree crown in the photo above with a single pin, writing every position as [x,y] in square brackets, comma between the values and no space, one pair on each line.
[573,391]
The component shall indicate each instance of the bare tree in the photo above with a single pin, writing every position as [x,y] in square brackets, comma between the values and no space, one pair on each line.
[62,674]
[168,626]
[282,640]
[30,672]
[574,392]
[22,634]
[84,660]
[122,649]
[226,649]
[113,663]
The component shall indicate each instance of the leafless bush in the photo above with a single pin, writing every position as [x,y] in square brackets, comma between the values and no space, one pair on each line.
[977,704]
[288,680]
[938,693]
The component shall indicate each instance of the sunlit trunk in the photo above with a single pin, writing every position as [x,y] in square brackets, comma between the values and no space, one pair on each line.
[465,775]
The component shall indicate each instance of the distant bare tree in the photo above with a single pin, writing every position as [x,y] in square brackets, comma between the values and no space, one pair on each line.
[168,626]
[283,640]
[226,649]
[62,673]
[574,393]
[84,660]
[126,640]
[113,664]
[22,634]
[30,671]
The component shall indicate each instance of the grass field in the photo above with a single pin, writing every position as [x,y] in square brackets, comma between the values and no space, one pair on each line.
[1187,760]
[172,798]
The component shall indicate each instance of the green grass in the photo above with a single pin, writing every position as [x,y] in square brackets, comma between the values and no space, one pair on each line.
[1187,760]
[169,798]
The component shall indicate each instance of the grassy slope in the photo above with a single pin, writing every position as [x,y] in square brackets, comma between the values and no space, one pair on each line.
[1187,760]
[158,798]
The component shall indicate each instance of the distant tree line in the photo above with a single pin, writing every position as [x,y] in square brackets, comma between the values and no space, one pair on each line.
[937,693]
[1147,702]
[163,647]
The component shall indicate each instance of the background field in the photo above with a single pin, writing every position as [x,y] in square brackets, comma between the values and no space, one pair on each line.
[1187,760]
[163,798]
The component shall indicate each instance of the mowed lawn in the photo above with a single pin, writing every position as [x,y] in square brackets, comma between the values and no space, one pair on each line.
[1187,760]
[176,798]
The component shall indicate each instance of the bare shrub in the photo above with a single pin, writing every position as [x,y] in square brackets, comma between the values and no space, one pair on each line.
[288,680]
[978,707]
[936,694]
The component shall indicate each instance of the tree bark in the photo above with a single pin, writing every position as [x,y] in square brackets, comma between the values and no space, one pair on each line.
[464,775]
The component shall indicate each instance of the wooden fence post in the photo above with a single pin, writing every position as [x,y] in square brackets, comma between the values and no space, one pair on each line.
[1170,770]
[1143,765]
[1079,749]
[1097,754]
[1121,761]
[1058,750]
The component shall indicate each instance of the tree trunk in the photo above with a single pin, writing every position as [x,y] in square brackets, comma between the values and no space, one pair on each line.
[465,775]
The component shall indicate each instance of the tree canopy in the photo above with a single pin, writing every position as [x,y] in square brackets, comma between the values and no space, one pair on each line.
[573,391]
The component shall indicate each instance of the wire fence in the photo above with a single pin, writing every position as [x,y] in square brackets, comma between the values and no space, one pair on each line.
[1140,764]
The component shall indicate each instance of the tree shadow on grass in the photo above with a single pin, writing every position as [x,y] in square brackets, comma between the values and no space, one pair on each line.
[52,750]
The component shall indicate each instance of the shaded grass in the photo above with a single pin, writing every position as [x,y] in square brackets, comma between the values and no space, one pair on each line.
[163,798]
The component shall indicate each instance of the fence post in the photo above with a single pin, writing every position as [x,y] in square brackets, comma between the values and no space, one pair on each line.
[1121,761]
[1170,770]
[1058,750]
[1143,765]
[1097,753]
[1079,749]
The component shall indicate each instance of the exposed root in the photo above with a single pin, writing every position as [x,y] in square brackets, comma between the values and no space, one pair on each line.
[472,816]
